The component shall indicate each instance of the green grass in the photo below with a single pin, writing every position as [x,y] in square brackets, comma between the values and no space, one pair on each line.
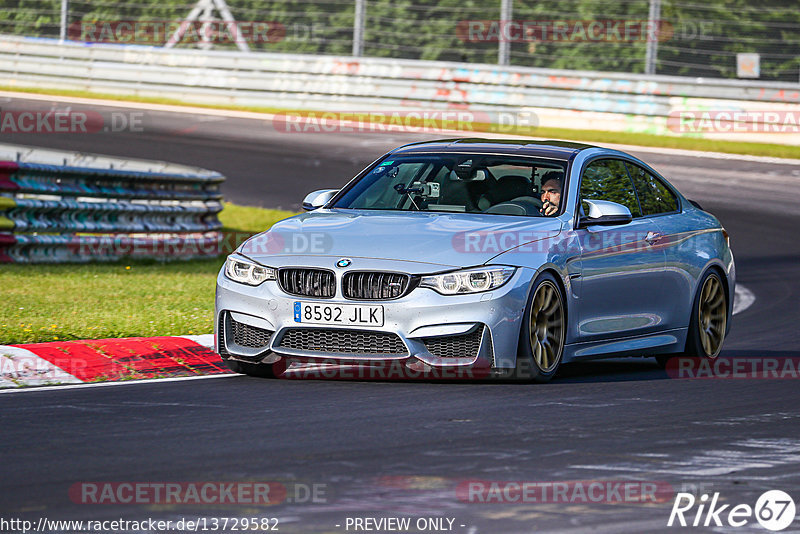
[126,299]
[235,218]
[686,142]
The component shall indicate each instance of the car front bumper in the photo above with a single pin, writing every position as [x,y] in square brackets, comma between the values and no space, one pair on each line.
[479,330]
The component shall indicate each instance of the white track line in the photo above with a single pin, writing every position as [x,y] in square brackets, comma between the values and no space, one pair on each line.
[110,384]
[743,298]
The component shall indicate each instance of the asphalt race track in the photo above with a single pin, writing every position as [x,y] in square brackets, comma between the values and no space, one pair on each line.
[380,449]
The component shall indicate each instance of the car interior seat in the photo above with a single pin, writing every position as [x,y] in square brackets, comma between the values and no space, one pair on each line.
[506,188]
[465,192]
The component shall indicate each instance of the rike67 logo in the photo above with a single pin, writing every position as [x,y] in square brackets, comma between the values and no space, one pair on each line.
[774,510]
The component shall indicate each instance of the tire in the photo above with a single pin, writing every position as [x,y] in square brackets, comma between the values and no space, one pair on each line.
[543,332]
[708,321]
[260,370]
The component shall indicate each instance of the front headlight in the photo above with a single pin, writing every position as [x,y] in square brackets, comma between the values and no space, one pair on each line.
[243,271]
[468,280]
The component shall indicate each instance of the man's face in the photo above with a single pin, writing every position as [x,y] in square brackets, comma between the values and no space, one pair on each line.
[551,192]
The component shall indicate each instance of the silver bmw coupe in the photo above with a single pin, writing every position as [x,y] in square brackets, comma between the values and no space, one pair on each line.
[492,258]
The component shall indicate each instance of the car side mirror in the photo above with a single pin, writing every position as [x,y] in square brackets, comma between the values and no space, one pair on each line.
[319,198]
[604,212]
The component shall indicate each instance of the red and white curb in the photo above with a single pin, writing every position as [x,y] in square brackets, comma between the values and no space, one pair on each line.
[108,360]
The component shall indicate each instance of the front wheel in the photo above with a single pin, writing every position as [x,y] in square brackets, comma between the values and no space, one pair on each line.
[543,332]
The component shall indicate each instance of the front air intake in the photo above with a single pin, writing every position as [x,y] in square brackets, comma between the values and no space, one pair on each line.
[318,283]
[335,341]
[368,285]
[458,346]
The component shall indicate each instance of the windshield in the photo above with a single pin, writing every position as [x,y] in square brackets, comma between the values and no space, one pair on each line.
[470,183]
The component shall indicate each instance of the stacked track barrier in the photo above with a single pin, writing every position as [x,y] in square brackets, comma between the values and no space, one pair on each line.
[66,213]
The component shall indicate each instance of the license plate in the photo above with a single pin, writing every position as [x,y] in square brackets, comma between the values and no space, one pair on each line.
[338,314]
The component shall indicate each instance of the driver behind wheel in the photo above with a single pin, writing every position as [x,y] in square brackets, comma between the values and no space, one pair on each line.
[551,193]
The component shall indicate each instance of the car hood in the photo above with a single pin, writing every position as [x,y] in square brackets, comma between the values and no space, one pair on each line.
[430,239]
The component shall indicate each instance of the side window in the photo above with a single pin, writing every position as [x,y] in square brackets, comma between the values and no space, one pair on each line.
[607,179]
[654,196]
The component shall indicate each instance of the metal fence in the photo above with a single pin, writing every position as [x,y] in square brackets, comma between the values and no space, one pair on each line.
[58,211]
[671,37]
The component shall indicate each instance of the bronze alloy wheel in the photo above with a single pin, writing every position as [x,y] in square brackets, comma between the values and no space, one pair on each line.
[547,326]
[712,315]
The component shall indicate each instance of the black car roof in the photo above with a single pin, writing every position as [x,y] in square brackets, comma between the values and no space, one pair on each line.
[548,148]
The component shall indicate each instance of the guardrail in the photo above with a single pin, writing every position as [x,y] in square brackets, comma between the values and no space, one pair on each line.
[65,212]
[581,100]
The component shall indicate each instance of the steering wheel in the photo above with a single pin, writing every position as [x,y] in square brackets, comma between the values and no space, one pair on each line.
[529,206]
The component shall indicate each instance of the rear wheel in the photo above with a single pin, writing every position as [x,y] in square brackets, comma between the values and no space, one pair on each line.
[708,322]
[261,370]
[710,319]
[541,343]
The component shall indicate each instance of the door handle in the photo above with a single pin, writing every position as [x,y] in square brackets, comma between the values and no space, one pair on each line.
[652,237]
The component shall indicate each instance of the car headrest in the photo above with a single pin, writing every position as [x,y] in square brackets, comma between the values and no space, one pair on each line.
[514,185]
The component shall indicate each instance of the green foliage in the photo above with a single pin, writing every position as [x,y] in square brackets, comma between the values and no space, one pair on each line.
[608,180]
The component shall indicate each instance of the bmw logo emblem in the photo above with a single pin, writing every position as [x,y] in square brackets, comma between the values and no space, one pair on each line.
[344,262]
